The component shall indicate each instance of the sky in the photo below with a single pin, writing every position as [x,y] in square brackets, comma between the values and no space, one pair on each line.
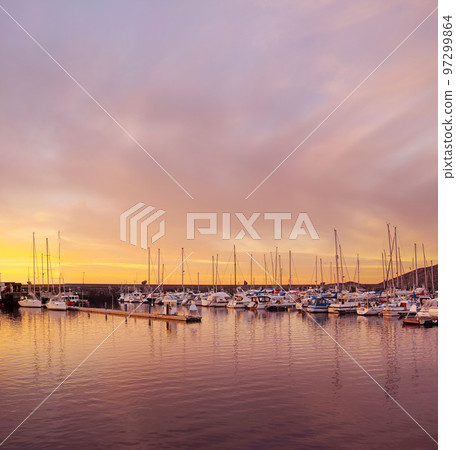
[218,93]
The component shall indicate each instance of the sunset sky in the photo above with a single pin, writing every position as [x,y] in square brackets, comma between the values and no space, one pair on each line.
[219,93]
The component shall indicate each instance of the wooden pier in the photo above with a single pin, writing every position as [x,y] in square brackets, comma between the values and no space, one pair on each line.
[143,315]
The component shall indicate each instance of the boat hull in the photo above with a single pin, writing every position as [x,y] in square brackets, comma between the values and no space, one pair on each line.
[28,303]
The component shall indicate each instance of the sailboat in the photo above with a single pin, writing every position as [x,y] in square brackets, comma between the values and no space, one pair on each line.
[31,301]
[344,305]
[57,302]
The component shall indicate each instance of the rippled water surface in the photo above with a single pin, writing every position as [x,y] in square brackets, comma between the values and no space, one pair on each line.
[239,379]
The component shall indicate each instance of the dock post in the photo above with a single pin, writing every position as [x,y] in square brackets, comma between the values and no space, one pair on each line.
[125,307]
[106,305]
[150,306]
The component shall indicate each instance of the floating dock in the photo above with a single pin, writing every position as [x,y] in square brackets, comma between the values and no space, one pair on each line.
[143,315]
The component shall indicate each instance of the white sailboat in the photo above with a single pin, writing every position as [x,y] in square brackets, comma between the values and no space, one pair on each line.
[57,302]
[31,300]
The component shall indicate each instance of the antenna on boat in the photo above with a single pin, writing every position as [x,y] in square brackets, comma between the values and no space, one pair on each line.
[416,269]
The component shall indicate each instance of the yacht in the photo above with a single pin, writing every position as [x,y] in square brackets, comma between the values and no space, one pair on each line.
[318,305]
[239,301]
[30,301]
[216,300]
[57,303]
[342,307]
[396,308]
[133,297]
[430,309]
[259,302]
[370,309]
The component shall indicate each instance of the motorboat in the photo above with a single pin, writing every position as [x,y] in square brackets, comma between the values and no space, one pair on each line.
[259,302]
[318,305]
[239,301]
[343,307]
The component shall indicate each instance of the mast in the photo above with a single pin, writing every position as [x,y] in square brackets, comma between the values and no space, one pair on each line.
[289,270]
[391,258]
[272,268]
[330,272]
[47,263]
[321,271]
[276,267]
[148,266]
[357,261]
[265,272]
[416,269]
[425,269]
[213,284]
[33,262]
[216,275]
[182,264]
[316,272]
[383,269]
[235,284]
[281,271]
[42,272]
[82,290]
[251,272]
[341,265]
[337,262]
[198,278]
[60,276]
[432,277]
[158,269]
[163,276]
[400,269]
[397,263]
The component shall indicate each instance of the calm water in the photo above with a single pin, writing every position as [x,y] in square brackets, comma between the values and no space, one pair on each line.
[236,380]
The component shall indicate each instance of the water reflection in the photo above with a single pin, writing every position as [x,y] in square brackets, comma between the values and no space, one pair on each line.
[238,379]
